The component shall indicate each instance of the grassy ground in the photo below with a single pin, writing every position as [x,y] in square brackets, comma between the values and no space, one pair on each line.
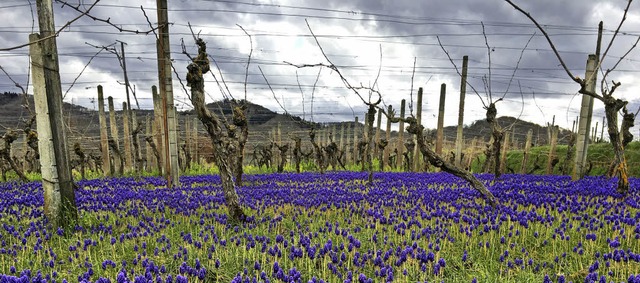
[407,227]
[600,156]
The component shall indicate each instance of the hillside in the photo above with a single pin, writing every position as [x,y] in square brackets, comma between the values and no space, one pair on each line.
[84,123]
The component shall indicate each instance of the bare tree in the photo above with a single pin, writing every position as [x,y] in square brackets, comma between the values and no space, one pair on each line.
[612,105]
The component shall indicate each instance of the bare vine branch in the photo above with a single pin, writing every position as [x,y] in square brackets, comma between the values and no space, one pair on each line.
[517,65]
[458,71]
[55,34]
[108,20]
[246,72]
[272,92]
[489,50]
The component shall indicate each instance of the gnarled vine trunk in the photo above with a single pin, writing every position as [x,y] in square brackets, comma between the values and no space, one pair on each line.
[221,143]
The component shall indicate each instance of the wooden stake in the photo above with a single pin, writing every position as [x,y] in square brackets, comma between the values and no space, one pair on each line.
[417,155]
[463,91]
[440,130]
[377,137]
[166,92]
[151,161]
[126,137]
[387,149]
[158,131]
[400,142]
[355,141]
[552,150]
[525,154]
[104,136]
[114,131]
[503,153]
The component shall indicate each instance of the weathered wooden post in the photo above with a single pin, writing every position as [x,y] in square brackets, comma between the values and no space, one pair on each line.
[400,142]
[151,161]
[552,150]
[440,130]
[166,92]
[113,123]
[463,92]
[417,155]
[347,144]
[355,141]
[104,136]
[135,140]
[387,149]
[126,137]
[377,138]
[525,154]
[196,156]
[158,129]
[503,153]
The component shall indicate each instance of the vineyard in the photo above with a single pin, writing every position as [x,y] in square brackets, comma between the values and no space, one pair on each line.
[189,188]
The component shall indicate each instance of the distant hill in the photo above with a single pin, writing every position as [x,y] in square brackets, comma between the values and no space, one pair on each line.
[480,129]
[84,123]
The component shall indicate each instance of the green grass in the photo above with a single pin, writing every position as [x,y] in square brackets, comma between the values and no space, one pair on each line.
[599,154]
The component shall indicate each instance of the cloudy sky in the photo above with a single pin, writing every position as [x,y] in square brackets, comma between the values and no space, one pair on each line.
[353,34]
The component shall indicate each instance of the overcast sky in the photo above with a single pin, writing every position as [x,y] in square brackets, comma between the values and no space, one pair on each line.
[352,34]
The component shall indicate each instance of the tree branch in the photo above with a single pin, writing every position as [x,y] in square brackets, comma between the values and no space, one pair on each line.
[553,47]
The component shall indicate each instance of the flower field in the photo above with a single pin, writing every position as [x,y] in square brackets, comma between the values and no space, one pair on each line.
[406,227]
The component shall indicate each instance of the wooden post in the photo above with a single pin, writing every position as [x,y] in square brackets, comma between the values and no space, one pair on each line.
[347,144]
[59,196]
[552,150]
[503,153]
[126,137]
[151,161]
[417,155]
[525,154]
[158,131]
[595,133]
[400,143]
[104,136]
[471,152]
[584,123]
[387,149]
[355,141]
[195,141]
[463,91]
[602,130]
[440,130]
[114,131]
[377,138]
[341,144]
[166,92]
[135,139]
